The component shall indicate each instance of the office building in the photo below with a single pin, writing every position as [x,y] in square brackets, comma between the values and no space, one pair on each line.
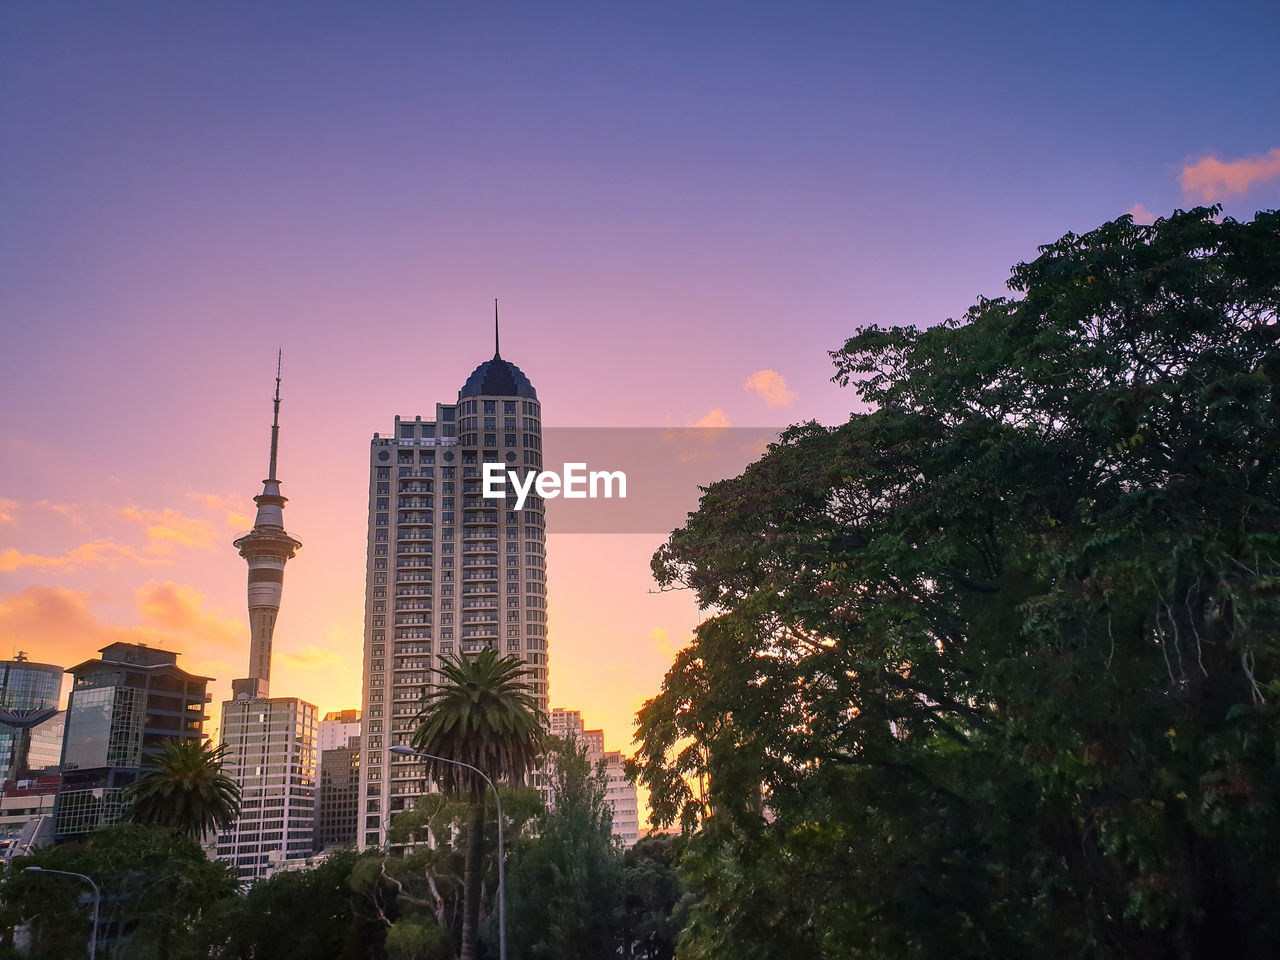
[448,571]
[270,742]
[122,708]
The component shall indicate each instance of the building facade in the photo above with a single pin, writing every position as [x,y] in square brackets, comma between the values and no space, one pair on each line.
[122,708]
[271,752]
[338,796]
[448,571]
[337,727]
[28,700]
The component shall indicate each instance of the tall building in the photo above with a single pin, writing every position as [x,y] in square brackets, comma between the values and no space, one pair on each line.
[122,708]
[338,780]
[270,742]
[28,699]
[620,792]
[448,571]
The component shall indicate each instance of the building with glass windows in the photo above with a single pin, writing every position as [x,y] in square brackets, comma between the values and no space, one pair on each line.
[271,753]
[28,700]
[122,708]
[448,571]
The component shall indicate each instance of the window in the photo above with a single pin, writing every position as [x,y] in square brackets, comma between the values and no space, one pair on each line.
[490,406]
[508,406]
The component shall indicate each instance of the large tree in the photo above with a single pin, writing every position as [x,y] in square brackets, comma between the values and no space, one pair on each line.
[1002,653]
[480,712]
[183,787]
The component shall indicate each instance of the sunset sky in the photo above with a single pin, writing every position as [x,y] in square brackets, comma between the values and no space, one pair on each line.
[681,206]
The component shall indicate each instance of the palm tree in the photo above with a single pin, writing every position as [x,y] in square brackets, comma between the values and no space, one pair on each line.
[480,712]
[184,788]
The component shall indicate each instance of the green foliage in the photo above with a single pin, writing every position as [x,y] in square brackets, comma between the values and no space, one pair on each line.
[183,787]
[333,911]
[480,712]
[156,887]
[566,882]
[1002,654]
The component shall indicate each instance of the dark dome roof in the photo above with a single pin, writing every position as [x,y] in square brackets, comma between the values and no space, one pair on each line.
[497,378]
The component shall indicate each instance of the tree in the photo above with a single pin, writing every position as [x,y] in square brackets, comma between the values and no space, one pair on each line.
[156,885]
[183,787]
[652,893]
[480,713]
[322,913]
[566,880]
[1003,652]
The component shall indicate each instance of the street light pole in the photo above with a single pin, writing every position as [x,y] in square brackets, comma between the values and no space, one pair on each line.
[97,899]
[407,751]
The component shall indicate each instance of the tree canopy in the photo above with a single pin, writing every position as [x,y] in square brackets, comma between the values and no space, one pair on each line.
[991,670]
[183,787]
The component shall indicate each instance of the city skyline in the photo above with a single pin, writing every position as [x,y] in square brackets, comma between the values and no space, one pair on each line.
[681,212]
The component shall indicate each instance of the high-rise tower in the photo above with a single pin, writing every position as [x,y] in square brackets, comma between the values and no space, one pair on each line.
[266,548]
[449,571]
[269,741]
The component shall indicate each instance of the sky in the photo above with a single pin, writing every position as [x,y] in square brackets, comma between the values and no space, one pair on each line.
[682,208]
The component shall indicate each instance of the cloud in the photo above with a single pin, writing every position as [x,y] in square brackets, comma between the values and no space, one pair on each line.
[1141,214]
[54,625]
[1211,179]
[715,418]
[230,508]
[310,658]
[7,509]
[771,387]
[95,552]
[166,528]
[178,610]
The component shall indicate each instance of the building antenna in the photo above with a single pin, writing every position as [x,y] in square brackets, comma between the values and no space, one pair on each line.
[275,422]
[495,327]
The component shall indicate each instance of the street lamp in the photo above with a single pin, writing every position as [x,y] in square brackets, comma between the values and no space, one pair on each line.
[407,751]
[97,899]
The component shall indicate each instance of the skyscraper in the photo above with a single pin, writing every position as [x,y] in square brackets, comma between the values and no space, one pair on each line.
[448,571]
[270,741]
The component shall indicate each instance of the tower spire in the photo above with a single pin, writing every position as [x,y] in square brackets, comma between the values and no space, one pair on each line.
[275,420]
[496,352]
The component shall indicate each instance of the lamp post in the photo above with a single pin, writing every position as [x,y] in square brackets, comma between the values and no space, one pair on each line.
[407,751]
[97,899]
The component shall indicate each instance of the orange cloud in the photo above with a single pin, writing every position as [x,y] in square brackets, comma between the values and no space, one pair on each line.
[168,527]
[715,417]
[95,552]
[1141,214]
[54,625]
[771,387]
[178,610]
[232,515]
[7,508]
[1211,179]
